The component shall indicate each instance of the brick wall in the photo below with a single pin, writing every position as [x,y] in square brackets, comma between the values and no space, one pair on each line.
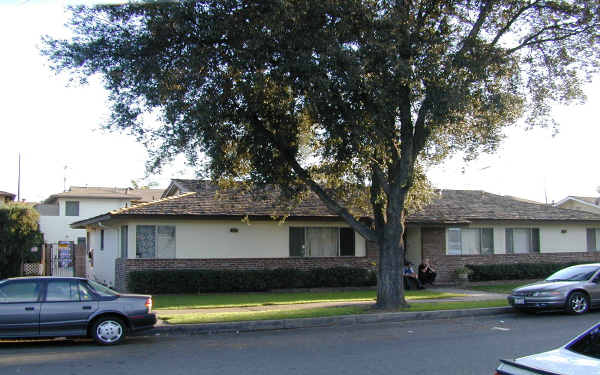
[124,266]
[434,248]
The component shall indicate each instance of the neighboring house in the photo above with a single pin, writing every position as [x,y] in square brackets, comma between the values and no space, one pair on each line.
[196,226]
[59,210]
[6,197]
[589,204]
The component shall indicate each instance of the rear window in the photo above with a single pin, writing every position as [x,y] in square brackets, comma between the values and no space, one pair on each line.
[589,344]
[102,290]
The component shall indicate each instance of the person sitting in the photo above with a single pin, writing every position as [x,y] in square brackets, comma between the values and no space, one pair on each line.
[411,280]
[427,273]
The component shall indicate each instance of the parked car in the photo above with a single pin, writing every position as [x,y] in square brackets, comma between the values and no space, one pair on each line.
[575,289]
[580,356]
[69,307]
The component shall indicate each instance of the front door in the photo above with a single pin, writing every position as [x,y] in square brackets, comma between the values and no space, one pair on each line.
[66,309]
[19,308]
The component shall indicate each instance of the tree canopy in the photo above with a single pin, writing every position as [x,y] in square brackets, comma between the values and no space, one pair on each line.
[333,95]
[19,232]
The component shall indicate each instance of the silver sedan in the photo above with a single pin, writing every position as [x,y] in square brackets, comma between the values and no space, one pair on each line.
[68,306]
[575,289]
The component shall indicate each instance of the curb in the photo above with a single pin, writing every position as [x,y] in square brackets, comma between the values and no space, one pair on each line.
[332,321]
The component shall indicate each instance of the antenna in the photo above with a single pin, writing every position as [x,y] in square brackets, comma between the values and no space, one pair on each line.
[65,178]
[19,181]
[545,190]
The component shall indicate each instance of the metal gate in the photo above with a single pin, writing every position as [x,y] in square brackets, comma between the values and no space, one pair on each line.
[61,259]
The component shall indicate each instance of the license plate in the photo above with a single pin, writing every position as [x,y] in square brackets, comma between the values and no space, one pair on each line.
[519,300]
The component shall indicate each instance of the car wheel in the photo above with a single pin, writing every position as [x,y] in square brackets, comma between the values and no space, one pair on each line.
[109,330]
[578,303]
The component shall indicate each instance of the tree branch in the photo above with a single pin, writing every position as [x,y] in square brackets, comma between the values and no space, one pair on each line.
[483,13]
[305,177]
[510,22]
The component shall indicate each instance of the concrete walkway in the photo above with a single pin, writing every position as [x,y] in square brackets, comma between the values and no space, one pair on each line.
[469,295]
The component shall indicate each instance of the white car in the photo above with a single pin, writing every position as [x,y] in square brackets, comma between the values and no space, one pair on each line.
[580,356]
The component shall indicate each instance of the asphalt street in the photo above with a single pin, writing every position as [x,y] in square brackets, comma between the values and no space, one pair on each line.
[457,346]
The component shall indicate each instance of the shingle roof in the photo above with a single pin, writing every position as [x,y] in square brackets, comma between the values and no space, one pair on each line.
[592,200]
[203,199]
[141,195]
[6,194]
[467,205]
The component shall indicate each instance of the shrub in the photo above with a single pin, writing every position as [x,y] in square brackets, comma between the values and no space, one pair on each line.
[514,271]
[203,281]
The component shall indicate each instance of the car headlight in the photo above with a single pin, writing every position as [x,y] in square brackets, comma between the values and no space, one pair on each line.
[552,293]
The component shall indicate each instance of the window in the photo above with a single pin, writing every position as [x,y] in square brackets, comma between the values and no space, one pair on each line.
[102,239]
[71,208]
[155,241]
[522,240]
[321,242]
[124,233]
[20,291]
[470,241]
[62,290]
[593,239]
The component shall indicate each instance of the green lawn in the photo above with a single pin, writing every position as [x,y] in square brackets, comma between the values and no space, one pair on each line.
[204,301]
[196,318]
[500,288]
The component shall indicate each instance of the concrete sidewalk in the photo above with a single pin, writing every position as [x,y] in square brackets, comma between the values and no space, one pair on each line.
[469,295]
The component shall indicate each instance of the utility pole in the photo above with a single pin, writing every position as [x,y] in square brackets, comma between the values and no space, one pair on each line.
[19,181]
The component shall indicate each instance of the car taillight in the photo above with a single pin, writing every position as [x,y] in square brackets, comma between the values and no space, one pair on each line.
[149,304]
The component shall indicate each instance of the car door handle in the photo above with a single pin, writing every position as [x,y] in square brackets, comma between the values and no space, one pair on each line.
[29,308]
[87,307]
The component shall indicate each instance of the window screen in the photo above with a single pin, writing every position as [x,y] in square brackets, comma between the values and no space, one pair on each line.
[145,241]
[166,241]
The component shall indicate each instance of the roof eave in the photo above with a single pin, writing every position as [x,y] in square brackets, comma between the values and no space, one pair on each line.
[82,224]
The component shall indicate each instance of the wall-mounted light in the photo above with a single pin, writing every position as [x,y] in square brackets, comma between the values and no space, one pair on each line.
[563,231]
[233,230]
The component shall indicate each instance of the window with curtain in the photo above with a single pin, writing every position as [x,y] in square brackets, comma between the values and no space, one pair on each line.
[522,240]
[72,208]
[593,239]
[469,241]
[321,242]
[124,233]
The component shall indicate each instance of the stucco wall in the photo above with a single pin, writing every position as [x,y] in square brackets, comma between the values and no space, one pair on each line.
[554,237]
[104,260]
[213,238]
[57,228]
[555,247]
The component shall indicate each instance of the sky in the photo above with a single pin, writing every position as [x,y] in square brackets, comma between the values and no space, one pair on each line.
[55,128]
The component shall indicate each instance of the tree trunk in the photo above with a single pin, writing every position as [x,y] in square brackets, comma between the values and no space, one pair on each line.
[390,280]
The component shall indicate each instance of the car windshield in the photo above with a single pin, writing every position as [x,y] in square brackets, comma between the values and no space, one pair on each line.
[102,290]
[588,345]
[577,273]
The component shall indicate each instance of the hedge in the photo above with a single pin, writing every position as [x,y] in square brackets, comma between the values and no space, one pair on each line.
[203,281]
[514,271]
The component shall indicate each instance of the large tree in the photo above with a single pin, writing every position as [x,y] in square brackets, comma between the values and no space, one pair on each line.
[333,96]
[19,232]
